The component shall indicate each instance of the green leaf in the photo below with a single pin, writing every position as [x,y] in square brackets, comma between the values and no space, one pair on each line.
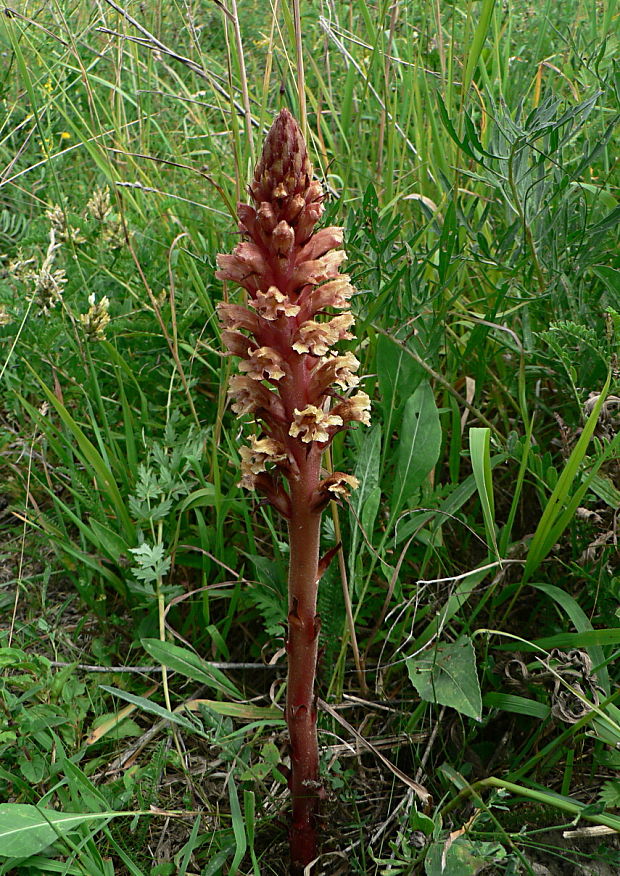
[581,622]
[610,793]
[150,707]
[365,500]
[602,487]
[419,446]
[447,675]
[480,453]
[91,456]
[26,830]
[483,26]
[397,372]
[190,665]
[559,509]
[151,564]
[112,544]
[453,859]
[515,704]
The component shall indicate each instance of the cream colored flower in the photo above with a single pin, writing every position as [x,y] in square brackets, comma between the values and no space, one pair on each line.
[356,408]
[99,207]
[317,337]
[338,370]
[334,294]
[339,484]
[318,271]
[273,304]
[255,458]
[96,320]
[312,424]
[48,287]
[265,363]
[250,396]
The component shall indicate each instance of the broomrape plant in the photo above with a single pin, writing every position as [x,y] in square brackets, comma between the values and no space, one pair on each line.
[297,388]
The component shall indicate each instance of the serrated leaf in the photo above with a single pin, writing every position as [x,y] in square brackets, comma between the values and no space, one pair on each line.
[610,793]
[447,675]
[151,563]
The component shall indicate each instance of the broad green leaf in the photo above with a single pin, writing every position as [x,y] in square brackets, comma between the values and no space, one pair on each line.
[397,372]
[447,675]
[190,665]
[26,830]
[453,859]
[369,511]
[419,445]
[113,544]
[365,500]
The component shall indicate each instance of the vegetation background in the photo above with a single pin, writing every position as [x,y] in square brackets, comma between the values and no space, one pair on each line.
[470,625]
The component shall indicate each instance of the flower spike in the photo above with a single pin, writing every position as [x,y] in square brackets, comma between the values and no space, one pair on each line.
[292,380]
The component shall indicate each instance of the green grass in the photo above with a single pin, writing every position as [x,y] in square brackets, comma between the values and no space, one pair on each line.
[468,149]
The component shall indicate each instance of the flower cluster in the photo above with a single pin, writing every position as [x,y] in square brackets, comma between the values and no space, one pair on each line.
[96,319]
[292,379]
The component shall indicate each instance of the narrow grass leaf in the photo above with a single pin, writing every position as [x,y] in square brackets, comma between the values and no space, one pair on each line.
[516,705]
[150,707]
[91,455]
[190,665]
[241,842]
[582,624]
[480,453]
[244,711]
[547,532]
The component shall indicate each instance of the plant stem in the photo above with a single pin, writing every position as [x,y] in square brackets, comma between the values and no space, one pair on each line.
[302,648]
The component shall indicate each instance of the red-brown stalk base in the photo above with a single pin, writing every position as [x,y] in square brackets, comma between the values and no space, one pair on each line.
[302,648]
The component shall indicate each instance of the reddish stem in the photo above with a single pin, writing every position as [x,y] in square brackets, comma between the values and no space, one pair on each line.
[302,648]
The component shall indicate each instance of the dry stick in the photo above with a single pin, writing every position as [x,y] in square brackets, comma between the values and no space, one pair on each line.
[418,789]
